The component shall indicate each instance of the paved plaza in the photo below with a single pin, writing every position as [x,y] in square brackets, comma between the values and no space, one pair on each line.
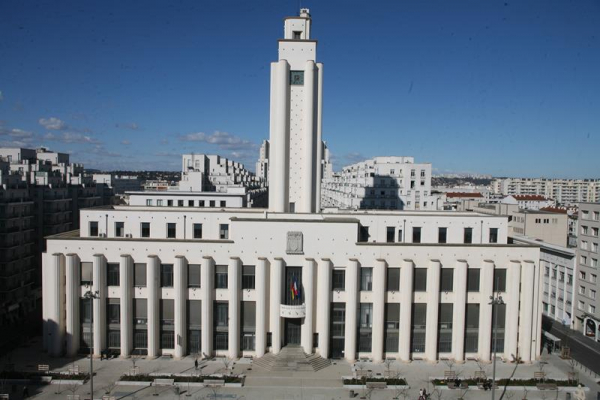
[281,385]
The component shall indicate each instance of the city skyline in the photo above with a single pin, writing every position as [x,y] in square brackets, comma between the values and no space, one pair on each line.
[120,88]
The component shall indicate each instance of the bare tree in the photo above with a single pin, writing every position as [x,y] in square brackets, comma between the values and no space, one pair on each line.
[450,363]
[525,392]
[360,366]
[227,363]
[72,387]
[388,363]
[437,393]
[463,393]
[110,387]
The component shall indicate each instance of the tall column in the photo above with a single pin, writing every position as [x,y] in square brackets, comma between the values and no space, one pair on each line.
[486,290]
[379,274]
[234,275]
[126,281]
[54,284]
[309,162]
[351,309]
[406,299]
[512,309]
[181,291]
[207,281]
[278,168]
[261,306]
[324,305]
[459,311]
[308,279]
[275,297]
[526,337]
[319,136]
[99,304]
[73,293]
[153,286]
[433,304]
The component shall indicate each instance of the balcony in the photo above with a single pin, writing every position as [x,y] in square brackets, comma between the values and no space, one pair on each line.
[286,311]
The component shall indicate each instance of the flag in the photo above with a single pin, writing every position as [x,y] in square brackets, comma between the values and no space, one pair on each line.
[292,288]
[296,291]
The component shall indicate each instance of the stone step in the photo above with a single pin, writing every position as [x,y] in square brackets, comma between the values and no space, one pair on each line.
[292,359]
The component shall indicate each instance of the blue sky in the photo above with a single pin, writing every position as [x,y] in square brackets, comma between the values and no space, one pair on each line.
[508,88]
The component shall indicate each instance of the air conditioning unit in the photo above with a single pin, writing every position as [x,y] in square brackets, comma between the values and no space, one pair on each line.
[102,235]
[128,235]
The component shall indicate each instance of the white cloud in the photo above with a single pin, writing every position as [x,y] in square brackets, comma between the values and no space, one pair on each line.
[14,137]
[70,137]
[125,142]
[128,125]
[53,124]
[223,140]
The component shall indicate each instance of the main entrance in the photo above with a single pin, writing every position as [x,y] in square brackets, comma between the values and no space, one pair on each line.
[292,331]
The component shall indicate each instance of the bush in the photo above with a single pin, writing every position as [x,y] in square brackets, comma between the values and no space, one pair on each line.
[364,380]
[510,382]
[191,379]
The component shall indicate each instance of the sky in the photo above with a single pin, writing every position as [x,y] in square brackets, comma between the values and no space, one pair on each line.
[506,88]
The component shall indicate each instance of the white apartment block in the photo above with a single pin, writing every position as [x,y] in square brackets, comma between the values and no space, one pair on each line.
[563,191]
[587,301]
[389,183]
[246,282]
[528,201]
[119,183]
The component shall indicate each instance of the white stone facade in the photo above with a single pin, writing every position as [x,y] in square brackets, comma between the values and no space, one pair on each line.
[391,183]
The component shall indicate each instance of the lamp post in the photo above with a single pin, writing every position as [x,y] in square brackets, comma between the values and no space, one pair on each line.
[496,300]
[91,296]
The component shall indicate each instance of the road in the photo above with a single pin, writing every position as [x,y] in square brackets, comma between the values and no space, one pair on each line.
[586,351]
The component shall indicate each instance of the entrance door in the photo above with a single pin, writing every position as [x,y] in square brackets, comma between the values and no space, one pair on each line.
[292,331]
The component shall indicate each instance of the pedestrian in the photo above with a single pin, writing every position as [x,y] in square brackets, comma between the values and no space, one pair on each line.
[25,392]
[196,364]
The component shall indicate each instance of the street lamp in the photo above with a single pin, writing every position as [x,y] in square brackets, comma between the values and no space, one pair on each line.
[495,301]
[91,296]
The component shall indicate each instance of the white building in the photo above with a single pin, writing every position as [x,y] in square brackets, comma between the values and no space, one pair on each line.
[564,191]
[119,183]
[528,201]
[244,282]
[390,183]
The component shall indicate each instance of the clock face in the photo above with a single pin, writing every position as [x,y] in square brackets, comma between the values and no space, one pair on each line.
[296,77]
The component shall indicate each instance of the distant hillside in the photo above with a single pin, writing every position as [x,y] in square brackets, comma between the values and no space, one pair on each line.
[443,181]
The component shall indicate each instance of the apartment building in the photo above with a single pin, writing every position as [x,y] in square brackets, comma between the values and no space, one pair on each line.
[587,301]
[389,183]
[563,191]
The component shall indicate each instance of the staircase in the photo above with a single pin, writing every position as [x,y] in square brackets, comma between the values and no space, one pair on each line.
[292,358]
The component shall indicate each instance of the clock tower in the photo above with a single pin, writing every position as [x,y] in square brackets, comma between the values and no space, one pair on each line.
[295,124]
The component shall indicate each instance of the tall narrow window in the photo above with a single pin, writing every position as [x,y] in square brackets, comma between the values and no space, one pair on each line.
[400,237]
[221,325]
[473,280]
[197,231]
[393,279]
[248,323]
[248,277]
[493,235]
[167,324]
[194,318]
[338,280]
[112,274]
[416,234]
[171,230]
[194,275]
[445,328]
[224,231]
[113,323]
[86,273]
[500,280]
[119,229]
[472,328]
[419,320]
[392,327]
[442,235]
[366,279]
[420,280]
[391,232]
[145,229]
[447,280]
[221,277]
[166,275]
[94,228]
[468,235]
[365,327]
[500,325]
[139,274]
[363,233]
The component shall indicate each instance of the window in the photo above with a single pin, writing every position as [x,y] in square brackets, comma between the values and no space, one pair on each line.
[119,229]
[148,202]
[472,328]
[569,279]
[445,328]
[221,277]
[113,315]
[596,215]
[420,280]
[595,232]
[391,327]
[224,231]
[582,275]
[391,231]
[297,78]
[197,231]
[297,35]
[592,309]
[493,235]
[179,203]
[595,247]
[248,323]
[419,321]
[194,275]
[393,279]
[584,245]
[139,275]
[547,273]
[473,280]
[248,277]
[363,234]
[447,280]
[201,203]
[167,323]
[593,278]
[593,294]
[212,203]
[400,238]
[581,305]
[582,290]
[338,280]
[159,203]
[94,228]
[145,228]
[366,279]
[222,203]
[468,235]
[561,276]
[86,273]
[500,280]
[442,232]
[221,324]
[171,230]
[594,263]
[166,275]
[584,230]
[416,235]
[554,273]
[585,214]
[170,203]
[365,327]
[190,203]
[112,275]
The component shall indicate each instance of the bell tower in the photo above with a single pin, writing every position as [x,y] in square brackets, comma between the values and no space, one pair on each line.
[295,123]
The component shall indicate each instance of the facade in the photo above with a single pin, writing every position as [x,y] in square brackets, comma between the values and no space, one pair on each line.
[452,200]
[243,282]
[41,194]
[558,265]
[563,191]
[390,183]
[587,302]
[118,183]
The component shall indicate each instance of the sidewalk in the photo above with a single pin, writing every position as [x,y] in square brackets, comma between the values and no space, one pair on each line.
[586,351]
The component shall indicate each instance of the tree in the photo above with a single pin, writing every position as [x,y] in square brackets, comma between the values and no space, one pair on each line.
[388,363]
[227,363]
